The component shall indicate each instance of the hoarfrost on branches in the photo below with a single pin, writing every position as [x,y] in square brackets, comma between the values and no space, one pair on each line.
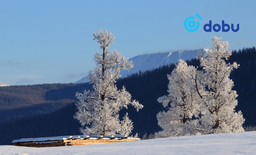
[201,102]
[98,110]
[219,100]
[182,103]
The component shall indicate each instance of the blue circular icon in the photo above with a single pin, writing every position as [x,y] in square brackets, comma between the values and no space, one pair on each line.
[190,25]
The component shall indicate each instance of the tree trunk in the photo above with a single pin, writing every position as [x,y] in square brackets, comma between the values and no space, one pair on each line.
[184,119]
[217,124]
[103,95]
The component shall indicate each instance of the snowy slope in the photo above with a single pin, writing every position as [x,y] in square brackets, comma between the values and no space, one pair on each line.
[83,80]
[151,61]
[4,84]
[218,144]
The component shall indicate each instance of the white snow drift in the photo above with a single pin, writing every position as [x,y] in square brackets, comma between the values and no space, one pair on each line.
[221,144]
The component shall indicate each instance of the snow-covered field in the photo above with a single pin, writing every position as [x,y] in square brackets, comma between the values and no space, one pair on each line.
[218,144]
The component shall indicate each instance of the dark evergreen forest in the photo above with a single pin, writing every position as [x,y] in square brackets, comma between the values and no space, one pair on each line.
[145,87]
[17,102]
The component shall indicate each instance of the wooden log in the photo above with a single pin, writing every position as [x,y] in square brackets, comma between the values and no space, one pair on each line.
[72,141]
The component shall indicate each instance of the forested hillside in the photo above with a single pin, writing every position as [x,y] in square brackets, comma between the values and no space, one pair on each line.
[145,87]
[22,101]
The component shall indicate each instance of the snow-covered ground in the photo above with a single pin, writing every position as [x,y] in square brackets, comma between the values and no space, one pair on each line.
[151,61]
[218,144]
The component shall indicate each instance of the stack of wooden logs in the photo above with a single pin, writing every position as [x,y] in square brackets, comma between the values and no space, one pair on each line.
[71,140]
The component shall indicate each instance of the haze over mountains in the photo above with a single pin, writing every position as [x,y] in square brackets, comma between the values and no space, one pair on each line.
[3,84]
[152,61]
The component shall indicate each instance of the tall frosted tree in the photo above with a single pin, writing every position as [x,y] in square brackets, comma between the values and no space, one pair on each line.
[201,102]
[98,110]
[218,100]
[181,103]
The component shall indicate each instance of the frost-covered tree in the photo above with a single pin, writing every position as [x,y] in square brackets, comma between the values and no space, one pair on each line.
[98,110]
[181,102]
[201,102]
[218,99]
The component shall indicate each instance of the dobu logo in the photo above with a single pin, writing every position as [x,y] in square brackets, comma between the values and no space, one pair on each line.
[216,27]
[191,25]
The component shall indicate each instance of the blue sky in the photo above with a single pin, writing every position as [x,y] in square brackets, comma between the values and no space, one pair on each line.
[51,41]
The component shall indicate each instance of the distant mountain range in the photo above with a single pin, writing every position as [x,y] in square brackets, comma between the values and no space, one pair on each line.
[152,61]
